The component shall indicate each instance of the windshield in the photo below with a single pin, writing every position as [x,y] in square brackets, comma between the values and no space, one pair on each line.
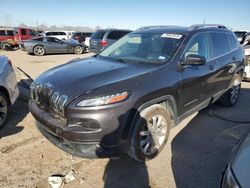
[145,47]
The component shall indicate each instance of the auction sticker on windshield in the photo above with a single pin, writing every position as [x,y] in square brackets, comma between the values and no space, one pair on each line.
[172,36]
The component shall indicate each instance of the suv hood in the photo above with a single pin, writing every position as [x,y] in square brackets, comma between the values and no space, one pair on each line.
[81,76]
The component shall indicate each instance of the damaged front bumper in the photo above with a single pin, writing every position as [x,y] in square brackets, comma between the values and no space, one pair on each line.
[76,141]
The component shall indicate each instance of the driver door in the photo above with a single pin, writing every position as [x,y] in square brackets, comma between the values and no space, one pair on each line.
[56,45]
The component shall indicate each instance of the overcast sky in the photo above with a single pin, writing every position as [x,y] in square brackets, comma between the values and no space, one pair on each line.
[125,14]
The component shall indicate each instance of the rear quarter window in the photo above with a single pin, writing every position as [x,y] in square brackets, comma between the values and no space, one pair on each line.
[115,35]
[98,35]
[220,44]
[232,42]
[61,33]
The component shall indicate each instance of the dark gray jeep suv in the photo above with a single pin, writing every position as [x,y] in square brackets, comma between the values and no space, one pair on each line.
[127,98]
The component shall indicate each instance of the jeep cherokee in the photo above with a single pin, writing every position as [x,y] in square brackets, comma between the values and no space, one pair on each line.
[127,98]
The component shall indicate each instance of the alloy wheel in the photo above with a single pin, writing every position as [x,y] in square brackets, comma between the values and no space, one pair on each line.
[153,135]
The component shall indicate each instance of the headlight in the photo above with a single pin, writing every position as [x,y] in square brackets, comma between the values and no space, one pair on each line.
[229,180]
[109,99]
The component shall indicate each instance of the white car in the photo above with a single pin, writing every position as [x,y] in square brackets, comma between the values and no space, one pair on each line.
[8,88]
[62,35]
[246,74]
[240,34]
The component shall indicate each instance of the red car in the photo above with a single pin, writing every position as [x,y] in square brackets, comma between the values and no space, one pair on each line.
[24,34]
[7,38]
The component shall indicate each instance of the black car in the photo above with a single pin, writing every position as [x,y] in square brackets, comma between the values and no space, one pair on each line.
[81,36]
[127,98]
[103,38]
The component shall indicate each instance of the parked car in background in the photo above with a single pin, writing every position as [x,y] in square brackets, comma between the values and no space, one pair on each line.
[7,41]
[238,169]
[49,45]
[126,99]
[22,34]
[101,39]
[246,45]
[8,88]
[62,35]
[239,34]
[82,37]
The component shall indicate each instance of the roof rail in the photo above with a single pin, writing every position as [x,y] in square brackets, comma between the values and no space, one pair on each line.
[199,26]
[156,27]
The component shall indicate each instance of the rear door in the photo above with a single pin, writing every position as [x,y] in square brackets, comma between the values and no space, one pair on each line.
[224,57]
[196,85]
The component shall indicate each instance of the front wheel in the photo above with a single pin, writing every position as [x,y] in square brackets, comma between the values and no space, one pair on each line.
[150,133]
[78,50]
[4,109]
[39,50]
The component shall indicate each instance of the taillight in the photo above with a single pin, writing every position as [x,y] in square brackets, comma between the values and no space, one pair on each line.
[9,61]
[104,43]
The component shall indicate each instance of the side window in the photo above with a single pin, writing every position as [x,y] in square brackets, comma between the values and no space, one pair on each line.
[98,34]
[219,43]
[23,32]
[48,34]
[61,33]
[10,32]
[232,42]
[198,45]
[2,32]
[32,33]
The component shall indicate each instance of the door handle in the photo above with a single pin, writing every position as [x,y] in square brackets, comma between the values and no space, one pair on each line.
[233,58]
[211,67]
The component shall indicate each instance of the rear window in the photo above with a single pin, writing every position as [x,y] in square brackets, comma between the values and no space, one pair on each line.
[98,34]
[220,44]
[23,32]
[232,42]
[115,35]
[2,33]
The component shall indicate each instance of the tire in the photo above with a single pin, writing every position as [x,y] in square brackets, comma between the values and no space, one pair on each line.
[5,46]
[150,133]
[78,50]
[39,50]
[230,98]
[4,109]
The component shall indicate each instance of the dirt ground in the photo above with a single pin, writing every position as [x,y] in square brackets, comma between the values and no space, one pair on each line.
[195,156]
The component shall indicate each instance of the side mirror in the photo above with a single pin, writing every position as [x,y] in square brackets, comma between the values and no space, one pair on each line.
[194,59]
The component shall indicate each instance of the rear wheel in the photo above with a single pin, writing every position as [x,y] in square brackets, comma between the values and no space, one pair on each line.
[78,50]
[39,50]
[150,134]
[230,98]
[4,109]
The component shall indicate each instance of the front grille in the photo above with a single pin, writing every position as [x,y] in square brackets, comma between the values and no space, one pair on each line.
[46,98]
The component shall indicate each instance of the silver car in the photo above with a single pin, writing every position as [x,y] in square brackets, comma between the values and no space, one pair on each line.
[51,45]
[8,88]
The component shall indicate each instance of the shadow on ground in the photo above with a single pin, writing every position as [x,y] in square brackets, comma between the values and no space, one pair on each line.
[201,151]
[124,173]
[18,112]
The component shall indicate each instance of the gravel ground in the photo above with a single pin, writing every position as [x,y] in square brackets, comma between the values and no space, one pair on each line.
[195,155]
